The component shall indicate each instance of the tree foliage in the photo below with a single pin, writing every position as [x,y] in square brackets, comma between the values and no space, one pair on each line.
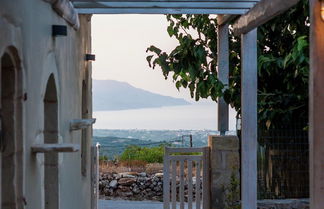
[283,63]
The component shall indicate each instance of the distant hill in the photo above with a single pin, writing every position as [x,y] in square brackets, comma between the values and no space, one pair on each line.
[115,95]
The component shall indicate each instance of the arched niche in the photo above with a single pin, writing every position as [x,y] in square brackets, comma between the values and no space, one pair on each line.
[11,131]
[51,167]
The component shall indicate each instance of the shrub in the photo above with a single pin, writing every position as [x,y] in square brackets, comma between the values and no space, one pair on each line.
[145,154]
[103,158]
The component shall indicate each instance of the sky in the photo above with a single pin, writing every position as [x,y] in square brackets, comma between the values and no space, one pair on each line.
[120,43]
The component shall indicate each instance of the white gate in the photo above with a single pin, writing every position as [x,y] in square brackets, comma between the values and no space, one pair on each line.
[186,178]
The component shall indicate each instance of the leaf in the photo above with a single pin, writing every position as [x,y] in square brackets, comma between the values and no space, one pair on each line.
[154,49]
[148,59]
[178,84]
[170,31]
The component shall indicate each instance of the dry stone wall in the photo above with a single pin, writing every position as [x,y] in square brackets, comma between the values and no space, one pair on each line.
[131,186]
[136,186]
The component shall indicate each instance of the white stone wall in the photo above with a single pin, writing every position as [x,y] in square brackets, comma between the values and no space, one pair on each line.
[27,27]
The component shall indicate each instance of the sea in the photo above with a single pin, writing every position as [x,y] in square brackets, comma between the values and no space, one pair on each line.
[187,117]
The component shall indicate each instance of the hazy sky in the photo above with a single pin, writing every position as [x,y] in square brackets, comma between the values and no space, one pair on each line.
[120,42]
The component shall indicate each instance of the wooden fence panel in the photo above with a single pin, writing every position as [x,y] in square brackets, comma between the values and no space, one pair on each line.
[179,159]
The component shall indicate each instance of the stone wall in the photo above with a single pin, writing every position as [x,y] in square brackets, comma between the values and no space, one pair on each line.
[137,186]
[131,186]
[224,155]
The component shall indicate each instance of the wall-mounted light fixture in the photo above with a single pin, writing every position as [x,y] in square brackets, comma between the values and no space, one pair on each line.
[59,30]
[90,57]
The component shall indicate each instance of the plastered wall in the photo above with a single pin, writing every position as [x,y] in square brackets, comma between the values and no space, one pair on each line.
[26,26]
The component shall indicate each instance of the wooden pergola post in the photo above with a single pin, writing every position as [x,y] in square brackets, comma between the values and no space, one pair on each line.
[249,120]
[223,72]
[316,106]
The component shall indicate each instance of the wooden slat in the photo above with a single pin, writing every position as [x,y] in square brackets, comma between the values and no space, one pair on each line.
[76,2]
[225,19]
[184,150]
[189,184]
[262,12]
[316,104]
[206,180]
[174,185]
[45,148]
[166,181]
[198,203]
[181,184]
[159,11]
[223,74]
[237,7]
[78,124]
[185,157]
[183,5]
[249,120]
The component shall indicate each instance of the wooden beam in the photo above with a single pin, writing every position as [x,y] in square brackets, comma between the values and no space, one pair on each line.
[45,148]
[160,11]
[170,4]
[223,72]
[78,124]
[316,103]
[249,121]
[224,19]
[262,12]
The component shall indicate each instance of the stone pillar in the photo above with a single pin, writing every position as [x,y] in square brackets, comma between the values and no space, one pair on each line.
[224,160]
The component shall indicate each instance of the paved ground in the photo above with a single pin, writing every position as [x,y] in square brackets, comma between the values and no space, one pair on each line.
[123,204]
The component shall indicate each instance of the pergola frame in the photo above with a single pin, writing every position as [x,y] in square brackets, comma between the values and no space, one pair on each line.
[164,6]
[255,13]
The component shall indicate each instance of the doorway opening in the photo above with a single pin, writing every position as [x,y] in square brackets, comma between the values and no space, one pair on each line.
[51,171]
[11,131]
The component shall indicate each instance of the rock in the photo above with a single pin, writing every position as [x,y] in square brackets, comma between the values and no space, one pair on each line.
[113,184]
[124,188]
[126,181]
[157,189]
[143,174]
[159,175]
[128,174]
[136,190]
[124,194]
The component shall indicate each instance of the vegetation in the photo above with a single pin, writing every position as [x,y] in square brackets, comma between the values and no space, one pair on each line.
[103,158]
[232,192]
[114,142]
[283,64]
[144,154]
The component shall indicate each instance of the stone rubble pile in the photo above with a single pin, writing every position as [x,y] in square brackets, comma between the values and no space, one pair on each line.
[134,186]
[131,185]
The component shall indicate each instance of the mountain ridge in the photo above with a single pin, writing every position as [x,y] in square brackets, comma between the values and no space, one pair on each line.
[111,95]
